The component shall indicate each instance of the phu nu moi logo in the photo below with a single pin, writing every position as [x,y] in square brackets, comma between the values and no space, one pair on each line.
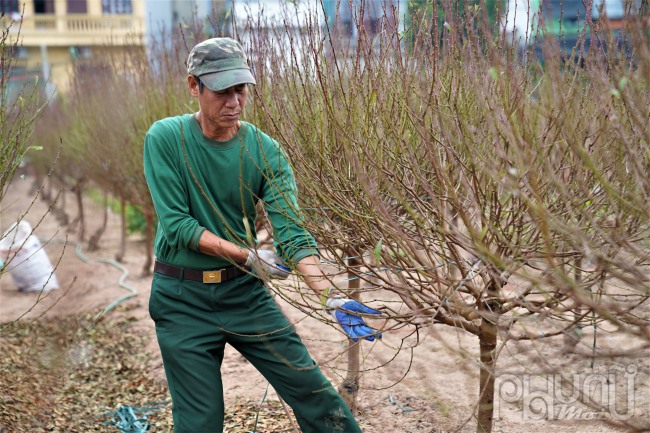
[579,396]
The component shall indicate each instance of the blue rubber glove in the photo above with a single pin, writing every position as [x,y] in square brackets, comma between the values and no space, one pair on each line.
[343,310]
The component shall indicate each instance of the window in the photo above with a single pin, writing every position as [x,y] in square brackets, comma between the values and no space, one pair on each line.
[110,7]
[80,53]
[565,10]
[19,53]
[9,6]
[44,6]
[77,7]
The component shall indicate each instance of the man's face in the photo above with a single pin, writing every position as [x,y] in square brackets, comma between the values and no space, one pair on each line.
[223,108]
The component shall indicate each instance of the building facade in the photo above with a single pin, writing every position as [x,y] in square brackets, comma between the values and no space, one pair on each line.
[53,35]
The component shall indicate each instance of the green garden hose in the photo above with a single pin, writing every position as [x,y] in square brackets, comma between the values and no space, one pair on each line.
[121,281]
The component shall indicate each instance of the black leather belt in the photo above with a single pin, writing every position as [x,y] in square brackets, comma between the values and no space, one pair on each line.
[214,276]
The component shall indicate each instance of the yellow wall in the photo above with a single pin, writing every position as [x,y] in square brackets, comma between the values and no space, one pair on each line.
[58,32]
[62,63]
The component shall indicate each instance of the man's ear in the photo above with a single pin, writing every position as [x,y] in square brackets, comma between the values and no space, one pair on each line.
[193,85]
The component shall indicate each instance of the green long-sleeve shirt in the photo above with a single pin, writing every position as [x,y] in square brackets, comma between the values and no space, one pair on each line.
[197,183]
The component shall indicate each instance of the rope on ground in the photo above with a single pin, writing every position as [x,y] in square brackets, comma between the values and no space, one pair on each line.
[133,419]
[394,402]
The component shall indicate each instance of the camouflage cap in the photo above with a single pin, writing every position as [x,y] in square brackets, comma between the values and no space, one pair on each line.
[220,63]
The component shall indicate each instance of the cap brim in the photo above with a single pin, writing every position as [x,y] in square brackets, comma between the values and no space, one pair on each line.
[216,81]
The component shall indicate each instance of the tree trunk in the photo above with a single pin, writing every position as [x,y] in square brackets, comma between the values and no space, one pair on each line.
[349,388]
[78,190]
[572,336]
[44,184]
[487,338]
[148,215]
[59,208]
[119,256]
[93,242]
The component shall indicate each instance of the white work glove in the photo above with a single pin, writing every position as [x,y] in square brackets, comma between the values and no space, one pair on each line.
[266,263]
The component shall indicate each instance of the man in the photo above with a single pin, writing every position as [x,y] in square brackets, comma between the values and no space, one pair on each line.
[206,172]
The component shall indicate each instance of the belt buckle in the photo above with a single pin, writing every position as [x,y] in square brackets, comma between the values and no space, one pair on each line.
[212,276]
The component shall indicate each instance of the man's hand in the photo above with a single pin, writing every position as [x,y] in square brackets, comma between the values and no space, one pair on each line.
[267,263]
[347,314]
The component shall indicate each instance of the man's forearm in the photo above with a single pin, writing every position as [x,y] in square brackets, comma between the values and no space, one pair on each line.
[311,272]
[213,245]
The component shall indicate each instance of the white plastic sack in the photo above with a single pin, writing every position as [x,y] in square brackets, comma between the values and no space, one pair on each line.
[30,269]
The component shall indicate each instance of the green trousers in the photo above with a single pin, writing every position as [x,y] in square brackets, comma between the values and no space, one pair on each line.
[194,321]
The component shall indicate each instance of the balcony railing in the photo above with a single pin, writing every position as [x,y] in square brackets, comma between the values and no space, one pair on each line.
[78,29]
